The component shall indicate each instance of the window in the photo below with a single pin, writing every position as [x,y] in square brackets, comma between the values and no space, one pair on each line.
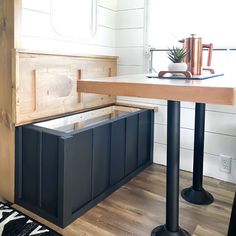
[74,19]
[171,20]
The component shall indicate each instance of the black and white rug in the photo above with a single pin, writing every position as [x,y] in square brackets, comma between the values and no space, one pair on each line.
[14,223]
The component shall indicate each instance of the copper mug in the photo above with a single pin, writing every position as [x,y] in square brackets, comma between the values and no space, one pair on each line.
[194,47]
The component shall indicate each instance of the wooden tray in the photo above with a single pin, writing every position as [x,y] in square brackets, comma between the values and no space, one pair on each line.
[168,75]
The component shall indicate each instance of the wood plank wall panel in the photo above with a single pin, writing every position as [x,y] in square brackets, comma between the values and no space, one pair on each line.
[127,5]
[46,85]
[217,122]
[213,141]
[130,29]
[47,38]
[211,162]
[9,38]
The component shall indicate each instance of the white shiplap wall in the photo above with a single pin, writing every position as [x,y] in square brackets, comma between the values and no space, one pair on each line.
[38,32]
[130,27]
[220,135]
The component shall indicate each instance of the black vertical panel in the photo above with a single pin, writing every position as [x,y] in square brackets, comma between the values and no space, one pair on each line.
[79,158]
[117,151]
[30,165]
[49,173]
[144,137]
[101,158]
[151,127]
[63,208]
[61,175]
[65,185]
[18,163]
[131,159]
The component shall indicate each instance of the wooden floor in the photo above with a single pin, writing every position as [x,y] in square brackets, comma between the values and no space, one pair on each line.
[139,206]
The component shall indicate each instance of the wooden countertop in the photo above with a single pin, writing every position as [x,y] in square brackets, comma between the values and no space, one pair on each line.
[217,90]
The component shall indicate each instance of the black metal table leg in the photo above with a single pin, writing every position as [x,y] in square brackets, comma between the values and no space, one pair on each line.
[171,228]
[197,194]
[232,223]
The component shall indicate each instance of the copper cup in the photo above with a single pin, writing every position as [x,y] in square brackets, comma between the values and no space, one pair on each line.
[193,59]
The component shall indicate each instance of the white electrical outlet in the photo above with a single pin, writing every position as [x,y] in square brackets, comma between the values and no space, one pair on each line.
[225,163]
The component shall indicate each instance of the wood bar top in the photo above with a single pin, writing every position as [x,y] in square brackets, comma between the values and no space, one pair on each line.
[217,90]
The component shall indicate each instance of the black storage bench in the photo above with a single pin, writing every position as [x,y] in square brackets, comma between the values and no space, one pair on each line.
[67,165]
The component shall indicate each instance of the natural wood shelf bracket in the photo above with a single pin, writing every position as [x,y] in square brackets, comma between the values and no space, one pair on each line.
[35,89]
[79,73]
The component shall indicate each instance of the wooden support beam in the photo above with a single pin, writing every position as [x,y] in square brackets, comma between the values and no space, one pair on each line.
[10,11]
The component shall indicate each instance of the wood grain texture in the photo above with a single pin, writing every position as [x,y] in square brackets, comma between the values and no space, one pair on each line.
[137,207]
[10,10]
[218,90]
[90,116]
[138,105]
[47,85]
[58,53]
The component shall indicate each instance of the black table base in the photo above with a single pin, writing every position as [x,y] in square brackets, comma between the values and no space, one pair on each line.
[197,194]
[171,228]
[162,231]
[199,197]
[232,224]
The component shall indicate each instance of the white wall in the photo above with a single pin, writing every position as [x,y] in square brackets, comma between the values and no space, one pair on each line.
[130,39]
[220,135]
[38,32]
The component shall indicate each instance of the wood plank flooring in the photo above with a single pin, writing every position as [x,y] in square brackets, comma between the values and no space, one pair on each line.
[139,206]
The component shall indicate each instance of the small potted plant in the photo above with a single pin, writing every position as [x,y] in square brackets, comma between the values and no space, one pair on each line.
[177,55]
